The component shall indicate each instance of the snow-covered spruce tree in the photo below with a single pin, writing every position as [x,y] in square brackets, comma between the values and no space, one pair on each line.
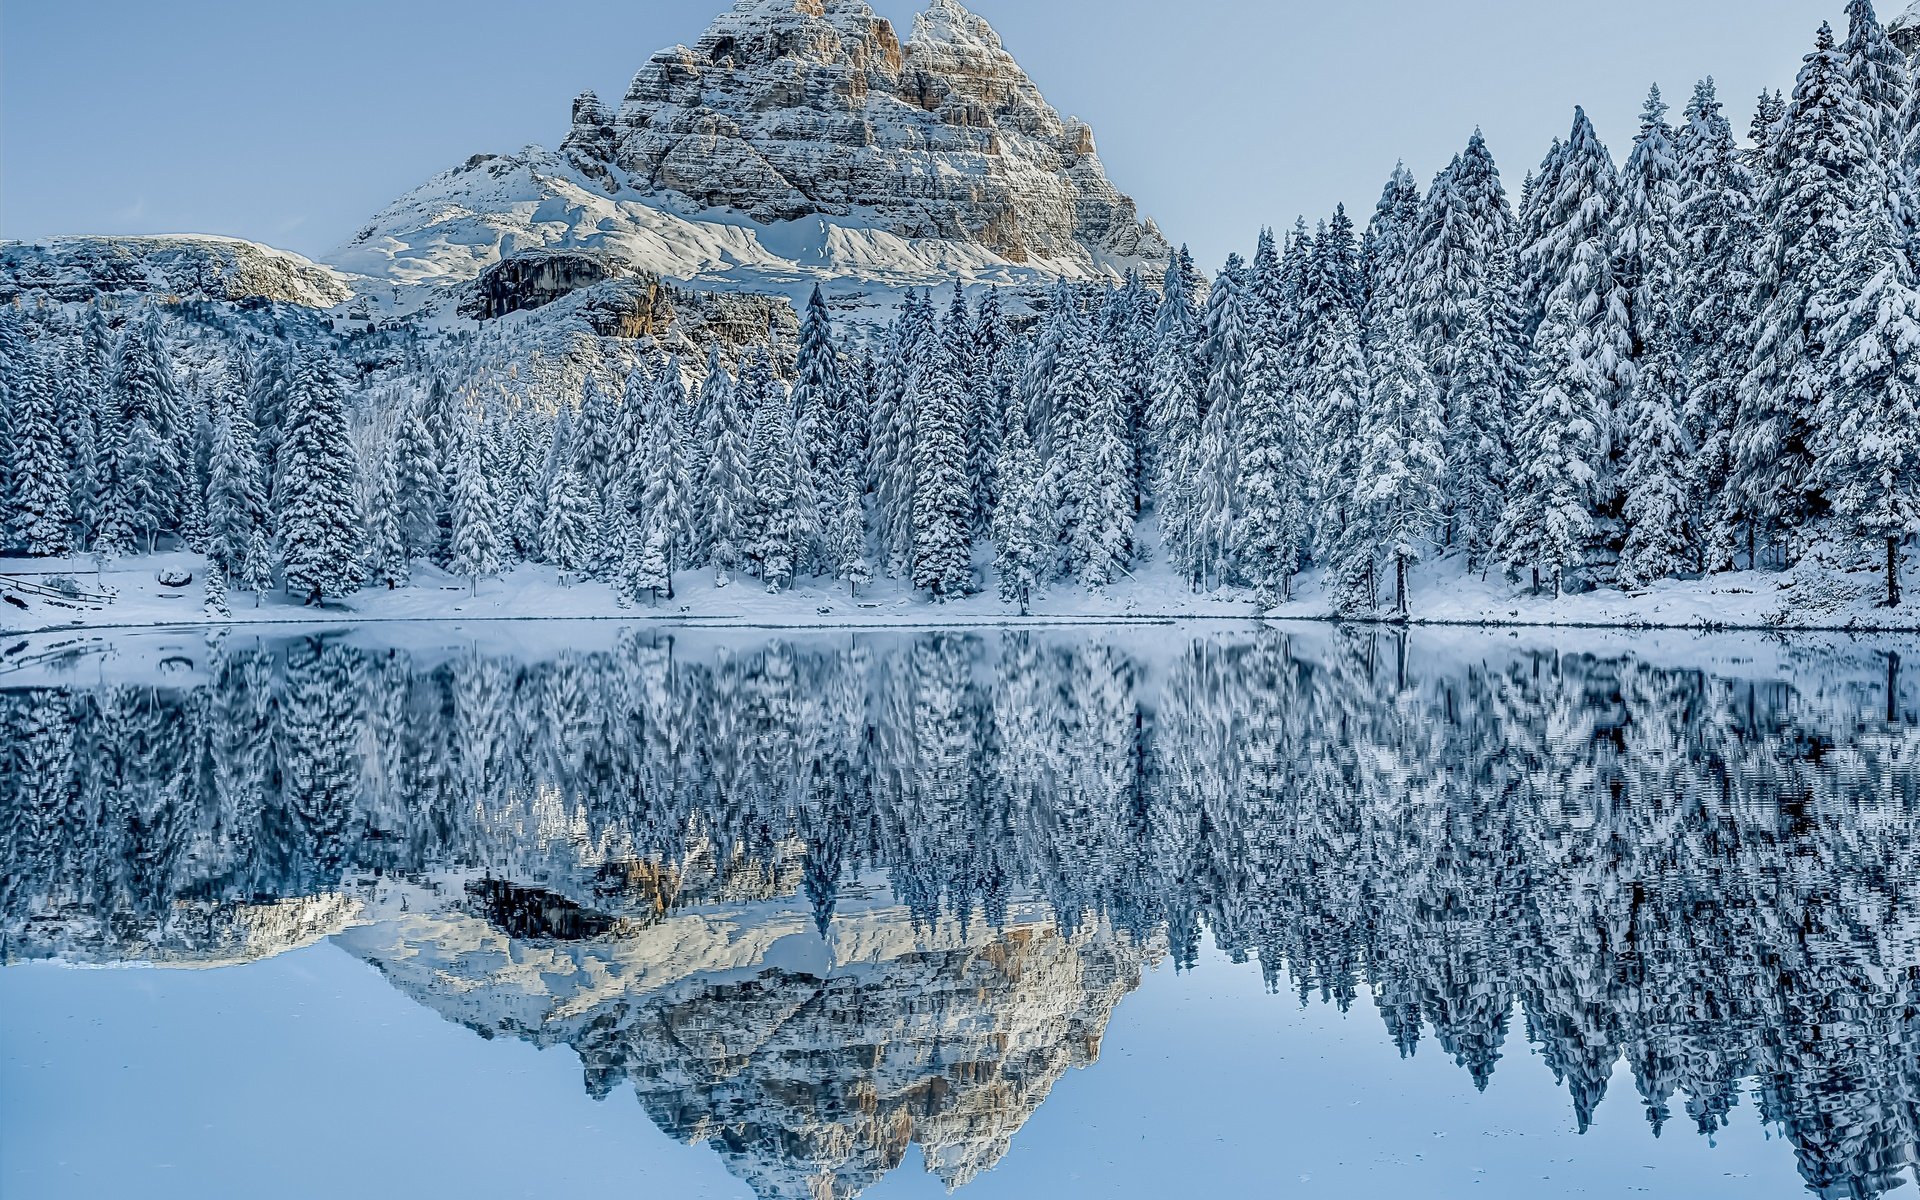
[1869,454]
[531,443]
[820,417]
[1645,236]
[667,482]
[724,489]
[629,548]
[151,471]
[652,571]
[1387,246]
[388,563]
[942,508]
[317,519]
[1270,535]
[1018,531]
[1042,365]
[1575,257]
[895,460]
[1126,334]
[42,522]
[86,419]
[572,527]
[595,441]
[1881,76]
[1336,387]
[476,546]
[1659,536]
[420,483]
[848,534]
[1717,230]
[256,568]
[215,602]
[1173,412]
[1547,519]
[1397,501]
[986,405]
[1103,487]
[236,484]
[776,530]
[1223,353]
[13,349]
[1486,382]
[1821,172]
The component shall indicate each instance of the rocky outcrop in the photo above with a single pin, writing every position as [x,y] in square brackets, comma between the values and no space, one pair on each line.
[80,269]
[536,278]
[1905,30]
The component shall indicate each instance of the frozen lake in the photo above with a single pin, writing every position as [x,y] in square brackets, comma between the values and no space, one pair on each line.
[1156,911]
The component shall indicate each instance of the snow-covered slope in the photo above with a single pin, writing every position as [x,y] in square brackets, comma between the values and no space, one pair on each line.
[1905,29]
[798,141]
[188,266]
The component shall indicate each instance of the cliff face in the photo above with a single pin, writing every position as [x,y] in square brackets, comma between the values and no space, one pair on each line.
[810,1065]
[798,141]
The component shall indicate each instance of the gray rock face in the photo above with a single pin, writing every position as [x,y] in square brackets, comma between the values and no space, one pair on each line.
[794,108]
[79,269]
[537,278]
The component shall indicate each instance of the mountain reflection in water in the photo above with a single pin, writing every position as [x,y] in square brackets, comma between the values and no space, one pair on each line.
[816,902]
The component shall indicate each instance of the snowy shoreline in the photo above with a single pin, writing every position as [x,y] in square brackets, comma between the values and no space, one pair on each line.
[1813,598]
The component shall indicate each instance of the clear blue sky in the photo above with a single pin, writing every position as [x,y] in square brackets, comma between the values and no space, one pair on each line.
[291,123]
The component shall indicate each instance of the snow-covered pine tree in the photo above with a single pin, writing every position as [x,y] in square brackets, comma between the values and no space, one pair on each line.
[595,441]
[215,601]
[42,522]
[388,562]
[421,490]
[256,568]
[652,571]
[1397,500]
[1881,76]
[476,545]
[1335,388]
[1223,353]
[1869,454]
[1387,246]
[1822,172]
[724,490]
[775,530]
[1717,230]
[1269,537]
[668,482]
[1547,519]
[86,419]
[1659,536]
[1645,235]
[317,519]
[1173,409]
[986,406]
[1103,488]
[1486,382]
[572,528]
[848,534]
[820,419]
[1575,258]
[1017,519]
[942,508]
[895,460]
[236,484]
[151,472]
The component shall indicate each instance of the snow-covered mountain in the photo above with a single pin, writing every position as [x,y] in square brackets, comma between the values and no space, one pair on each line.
[187,266]
[809,1063]
[798,141]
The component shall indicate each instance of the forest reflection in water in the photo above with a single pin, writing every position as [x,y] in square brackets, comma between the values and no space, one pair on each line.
[816,900]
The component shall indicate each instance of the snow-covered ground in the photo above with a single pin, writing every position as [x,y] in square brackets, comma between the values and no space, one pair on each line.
[1818,595]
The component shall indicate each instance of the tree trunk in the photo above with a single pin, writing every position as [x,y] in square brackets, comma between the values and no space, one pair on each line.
[1893,572]
[1400,584]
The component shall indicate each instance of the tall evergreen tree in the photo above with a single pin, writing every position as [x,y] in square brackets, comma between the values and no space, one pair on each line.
[1821,171]
[318,522]
[1397,504]
[42,522]
[236,483]
[942,509]
[476,544]
[151,471]
[1548,515]
[725,489]
[1017,519]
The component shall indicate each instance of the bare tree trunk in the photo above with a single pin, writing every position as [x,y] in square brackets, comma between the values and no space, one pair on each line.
[1893,572]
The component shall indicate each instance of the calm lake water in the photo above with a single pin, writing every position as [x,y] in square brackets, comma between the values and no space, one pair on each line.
[1130,912]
